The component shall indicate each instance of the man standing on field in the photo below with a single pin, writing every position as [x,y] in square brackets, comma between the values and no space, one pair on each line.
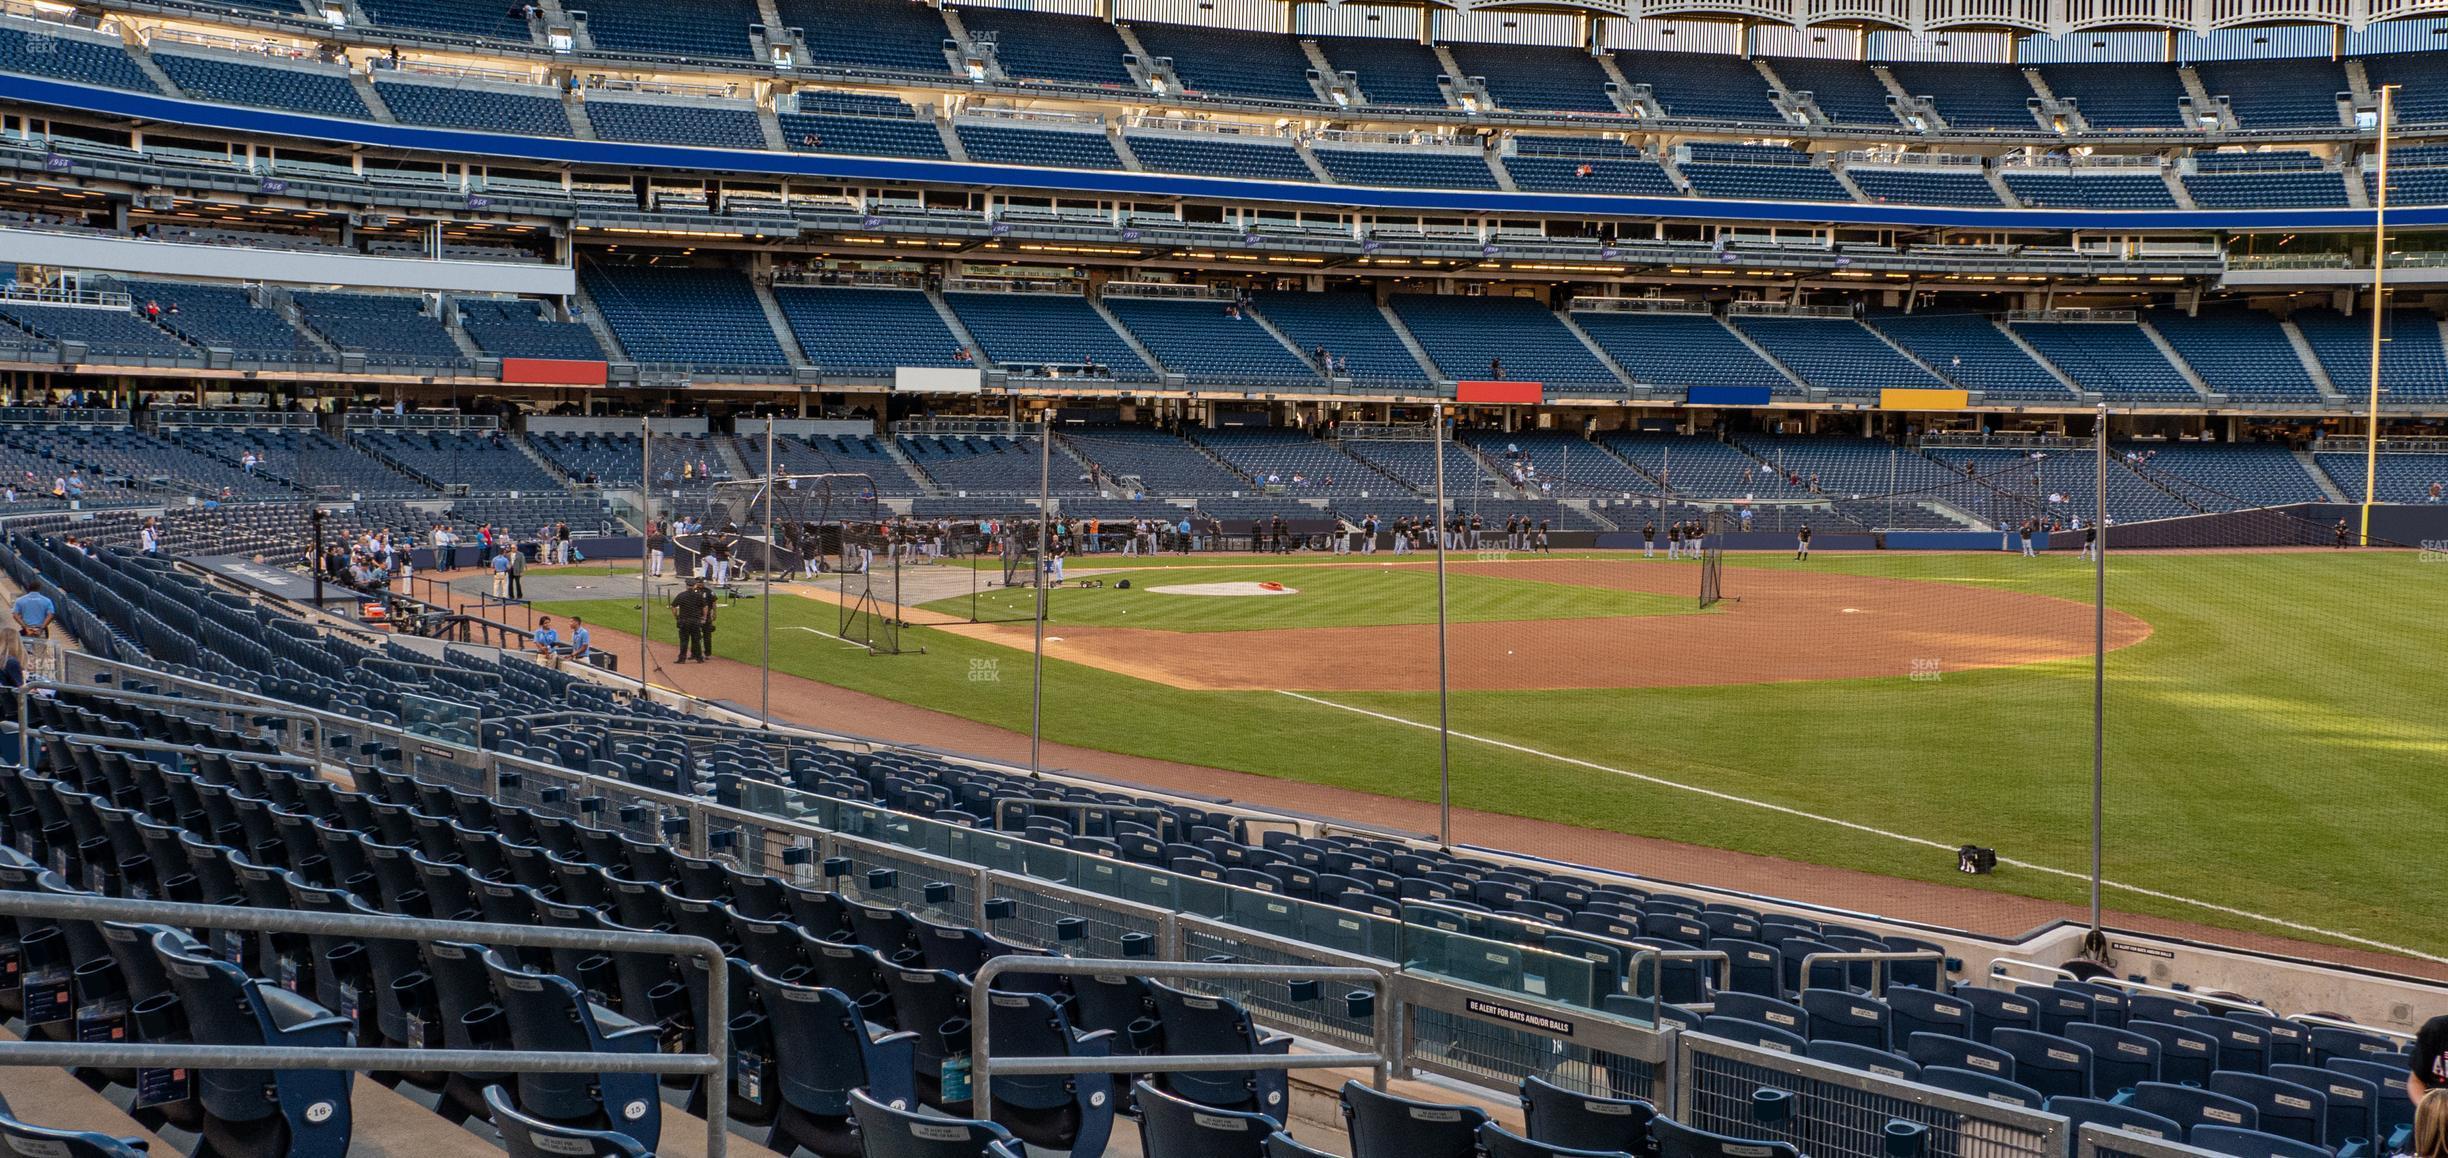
[1802,544]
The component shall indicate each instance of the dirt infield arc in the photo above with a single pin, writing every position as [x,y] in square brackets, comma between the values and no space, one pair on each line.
[1776,626]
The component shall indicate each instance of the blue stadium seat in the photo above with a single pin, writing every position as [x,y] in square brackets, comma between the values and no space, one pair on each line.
[1568,1118]
[1171,1127]
[1676,1140]
[2190,1106]
[259,1113]
[1410,167]
[2080,1112]
[1974,1083]
[1865,1059]
[2353,1103]
[61,53]
[702,317]
[1002,143]
[548,1012]
[2241,1143]
[893,1132]
[527,111]
[1382,1125]
[717,126]
[1536,77]
[1067,1112]
[2055,1066]
[1972,97]
[2124,95]
[871,37]
[1198,1024]
[1222,62]
[527,1136]
[303,88]
[716,30]
[1497,1142]
[2288,1109]
[867,331]
[1937,1049]
[1212,155]
[1758,1034]
[1849,1017]
[25,1137]
[1052,48]
[1702,86]
[1392,72]
[2185,1055]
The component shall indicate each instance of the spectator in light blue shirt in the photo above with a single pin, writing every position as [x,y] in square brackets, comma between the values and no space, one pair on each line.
[580,641]
[547,641]
[33,611]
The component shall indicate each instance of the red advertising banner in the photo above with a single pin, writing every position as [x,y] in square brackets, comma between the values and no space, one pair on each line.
[1503,393]
[552,372]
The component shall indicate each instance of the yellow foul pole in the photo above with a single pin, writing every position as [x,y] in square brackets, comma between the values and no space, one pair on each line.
[2379,306]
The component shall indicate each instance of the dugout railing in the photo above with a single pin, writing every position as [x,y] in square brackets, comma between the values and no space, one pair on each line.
[1480,1011]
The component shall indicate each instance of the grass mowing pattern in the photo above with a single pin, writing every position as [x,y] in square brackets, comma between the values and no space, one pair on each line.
[1330,596]
[2268,746]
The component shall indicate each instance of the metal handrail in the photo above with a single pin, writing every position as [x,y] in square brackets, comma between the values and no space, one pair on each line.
[1632,966]
[1878,962]
[1387,1020]
[709,1065]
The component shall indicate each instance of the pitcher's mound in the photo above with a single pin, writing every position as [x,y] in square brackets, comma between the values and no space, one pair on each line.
[1233,588]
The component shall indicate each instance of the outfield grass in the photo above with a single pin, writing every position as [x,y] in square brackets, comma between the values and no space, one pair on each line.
[2269,746]
[1329,596]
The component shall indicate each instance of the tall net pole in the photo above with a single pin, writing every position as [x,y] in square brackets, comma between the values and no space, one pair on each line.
[646,551]
[2379,303]
[1045,517]
[2096,941]
[765,679]
[1444,681]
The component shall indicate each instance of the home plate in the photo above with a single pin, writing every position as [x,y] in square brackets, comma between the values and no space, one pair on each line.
[1233,588]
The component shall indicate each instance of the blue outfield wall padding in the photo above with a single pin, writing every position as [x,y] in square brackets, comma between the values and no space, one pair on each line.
[816,166]
[1942,540]
[1730,395]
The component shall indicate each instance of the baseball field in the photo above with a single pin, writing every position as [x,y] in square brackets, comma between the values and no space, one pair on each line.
[2273,738]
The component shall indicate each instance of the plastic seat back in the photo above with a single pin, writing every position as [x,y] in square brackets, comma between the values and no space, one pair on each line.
[526,1136]
[2185,1055]
[2120,1058]
[892,1132]
[2055,1066]
[2287,1109]
[822,1052]
[1914,1010]
[1171,1127]
[2080,1112]
[1876,1061]
[1938,1049]
[1195,1023]
[307,1112]
[1385,1126]
[2191,1106]
[1497,1142]
[2354,1104]
[1676,1140]
[1848,1017]
[23,1137]
[1974,1083]
[1561,1117]
[2253,1143]
[1994,1009]
[1069,1112]
[545,1011]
